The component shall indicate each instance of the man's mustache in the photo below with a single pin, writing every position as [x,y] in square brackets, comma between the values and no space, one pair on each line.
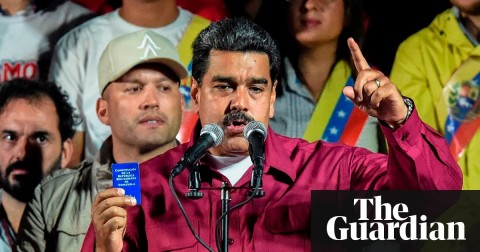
[236,115]
[21,164]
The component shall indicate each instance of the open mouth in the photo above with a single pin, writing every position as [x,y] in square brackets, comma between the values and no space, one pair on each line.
[151,121]
[236,126]
[235,121]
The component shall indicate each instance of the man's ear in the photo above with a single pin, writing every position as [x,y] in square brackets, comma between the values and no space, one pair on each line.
[182,104]
[273,97]
[102,111]
[67,152]
[195,95]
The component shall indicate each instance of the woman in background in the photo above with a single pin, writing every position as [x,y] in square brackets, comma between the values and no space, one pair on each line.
[317,66]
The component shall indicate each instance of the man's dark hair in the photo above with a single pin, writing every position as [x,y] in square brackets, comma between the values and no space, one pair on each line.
[237,35]
[20,88]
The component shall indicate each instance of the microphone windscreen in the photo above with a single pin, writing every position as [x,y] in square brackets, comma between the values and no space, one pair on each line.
[215,131]
[255,126]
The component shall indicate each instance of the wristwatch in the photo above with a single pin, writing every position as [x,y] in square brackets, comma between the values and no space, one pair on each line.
[410,106]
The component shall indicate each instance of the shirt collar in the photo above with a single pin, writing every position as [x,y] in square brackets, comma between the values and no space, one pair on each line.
[276,157]
[292,84]
[456,13]
[449,28]
[101,171]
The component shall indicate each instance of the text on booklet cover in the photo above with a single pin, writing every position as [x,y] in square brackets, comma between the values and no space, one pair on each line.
[127,177]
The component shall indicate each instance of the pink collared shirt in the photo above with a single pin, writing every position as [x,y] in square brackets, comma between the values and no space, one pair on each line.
[280,221]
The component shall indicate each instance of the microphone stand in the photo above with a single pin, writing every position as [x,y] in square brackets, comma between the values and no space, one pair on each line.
[194,182]
[225,198]
[256,178]
[194,185]
[194,193]
[256,133]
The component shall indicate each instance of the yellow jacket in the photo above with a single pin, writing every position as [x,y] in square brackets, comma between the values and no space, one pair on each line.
[423,65]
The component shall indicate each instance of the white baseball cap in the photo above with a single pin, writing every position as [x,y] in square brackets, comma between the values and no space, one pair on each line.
[144,46]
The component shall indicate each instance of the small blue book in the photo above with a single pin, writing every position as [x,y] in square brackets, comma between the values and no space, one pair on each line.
[127,176]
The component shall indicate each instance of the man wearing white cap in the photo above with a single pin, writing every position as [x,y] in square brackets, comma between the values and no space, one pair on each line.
[139,78]
[76,57]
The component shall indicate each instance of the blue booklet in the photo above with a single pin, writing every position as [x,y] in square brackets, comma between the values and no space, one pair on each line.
[127,176]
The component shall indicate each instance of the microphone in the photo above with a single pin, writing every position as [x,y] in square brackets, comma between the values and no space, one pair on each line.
[255,132]
[211,135]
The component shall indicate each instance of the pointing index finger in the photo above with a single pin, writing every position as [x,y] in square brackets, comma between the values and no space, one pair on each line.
[357,56]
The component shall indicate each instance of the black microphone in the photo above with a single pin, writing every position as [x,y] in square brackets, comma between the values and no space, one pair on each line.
[255,132]
[211,135]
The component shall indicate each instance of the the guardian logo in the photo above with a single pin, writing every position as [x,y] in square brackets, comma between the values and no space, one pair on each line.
[391,223]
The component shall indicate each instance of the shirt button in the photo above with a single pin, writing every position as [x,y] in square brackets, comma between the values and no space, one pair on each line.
[230,241]
[404,137]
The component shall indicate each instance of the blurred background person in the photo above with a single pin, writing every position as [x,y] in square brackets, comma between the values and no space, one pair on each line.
[75,61]
[317,66]
[36,123]
[210,9]
[383,29]
[439,68]
[29,31]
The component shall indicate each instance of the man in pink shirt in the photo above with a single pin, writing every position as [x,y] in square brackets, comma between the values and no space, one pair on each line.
[235,70]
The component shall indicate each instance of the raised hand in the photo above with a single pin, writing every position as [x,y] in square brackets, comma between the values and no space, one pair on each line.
[373,92]
[109,218]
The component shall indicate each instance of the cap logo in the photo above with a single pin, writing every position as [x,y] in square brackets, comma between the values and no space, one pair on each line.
[149,47]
